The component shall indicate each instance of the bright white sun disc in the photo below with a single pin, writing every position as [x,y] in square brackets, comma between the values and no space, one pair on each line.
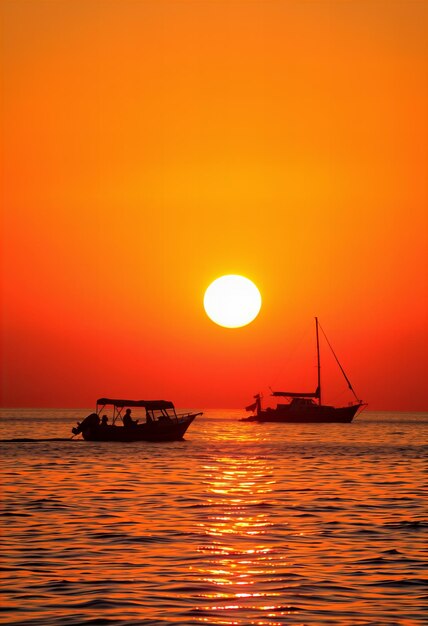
[232,301]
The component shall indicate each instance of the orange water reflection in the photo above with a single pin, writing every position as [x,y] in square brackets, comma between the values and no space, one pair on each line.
[239,554]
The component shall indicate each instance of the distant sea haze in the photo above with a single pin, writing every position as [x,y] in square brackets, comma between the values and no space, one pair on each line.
[240,523]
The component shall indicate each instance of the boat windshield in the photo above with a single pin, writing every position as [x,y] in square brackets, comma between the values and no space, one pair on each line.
[143,411]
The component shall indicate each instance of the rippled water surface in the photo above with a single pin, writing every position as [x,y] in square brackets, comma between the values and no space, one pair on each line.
[240,524]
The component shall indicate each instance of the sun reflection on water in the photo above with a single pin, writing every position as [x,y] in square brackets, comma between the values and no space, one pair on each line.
[239,553]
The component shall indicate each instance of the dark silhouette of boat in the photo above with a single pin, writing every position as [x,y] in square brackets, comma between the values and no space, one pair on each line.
[306,407]
[161,422]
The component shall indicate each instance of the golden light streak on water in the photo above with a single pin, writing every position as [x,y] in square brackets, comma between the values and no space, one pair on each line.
[240,519]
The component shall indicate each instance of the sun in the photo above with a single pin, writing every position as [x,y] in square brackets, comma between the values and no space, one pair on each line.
[232,301]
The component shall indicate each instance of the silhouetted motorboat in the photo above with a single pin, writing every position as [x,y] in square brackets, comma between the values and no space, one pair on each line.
[161,422]
[306,407]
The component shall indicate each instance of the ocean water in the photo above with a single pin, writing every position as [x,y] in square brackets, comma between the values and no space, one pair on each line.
[239,524]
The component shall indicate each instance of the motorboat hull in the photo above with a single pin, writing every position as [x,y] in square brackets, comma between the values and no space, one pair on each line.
[161,430]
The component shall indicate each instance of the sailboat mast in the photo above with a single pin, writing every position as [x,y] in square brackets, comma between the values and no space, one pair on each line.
[318,362]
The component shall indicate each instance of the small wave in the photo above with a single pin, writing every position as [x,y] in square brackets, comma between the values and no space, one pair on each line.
[14,514]
[124,538]
[391,551]
[100,603]
[373,561]
[403,582]
[406,525]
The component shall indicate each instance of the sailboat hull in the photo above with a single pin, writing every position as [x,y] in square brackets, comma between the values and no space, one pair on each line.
[287,413]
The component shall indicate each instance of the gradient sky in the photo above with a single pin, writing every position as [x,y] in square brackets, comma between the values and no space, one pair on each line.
[149,147]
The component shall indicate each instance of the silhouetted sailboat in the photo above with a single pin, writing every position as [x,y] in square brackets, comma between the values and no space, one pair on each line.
[306,407]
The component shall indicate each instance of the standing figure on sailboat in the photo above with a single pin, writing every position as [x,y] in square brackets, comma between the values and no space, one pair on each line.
[306,407]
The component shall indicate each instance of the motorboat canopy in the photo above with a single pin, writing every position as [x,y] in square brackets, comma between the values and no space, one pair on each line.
[151,405]
[155,409]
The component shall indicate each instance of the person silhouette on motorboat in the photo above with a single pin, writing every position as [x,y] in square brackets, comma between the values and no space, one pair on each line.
[127,419]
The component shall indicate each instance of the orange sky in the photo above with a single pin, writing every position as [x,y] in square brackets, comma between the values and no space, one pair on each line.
[149,147]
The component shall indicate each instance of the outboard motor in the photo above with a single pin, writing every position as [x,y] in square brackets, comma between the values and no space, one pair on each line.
[89,422]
